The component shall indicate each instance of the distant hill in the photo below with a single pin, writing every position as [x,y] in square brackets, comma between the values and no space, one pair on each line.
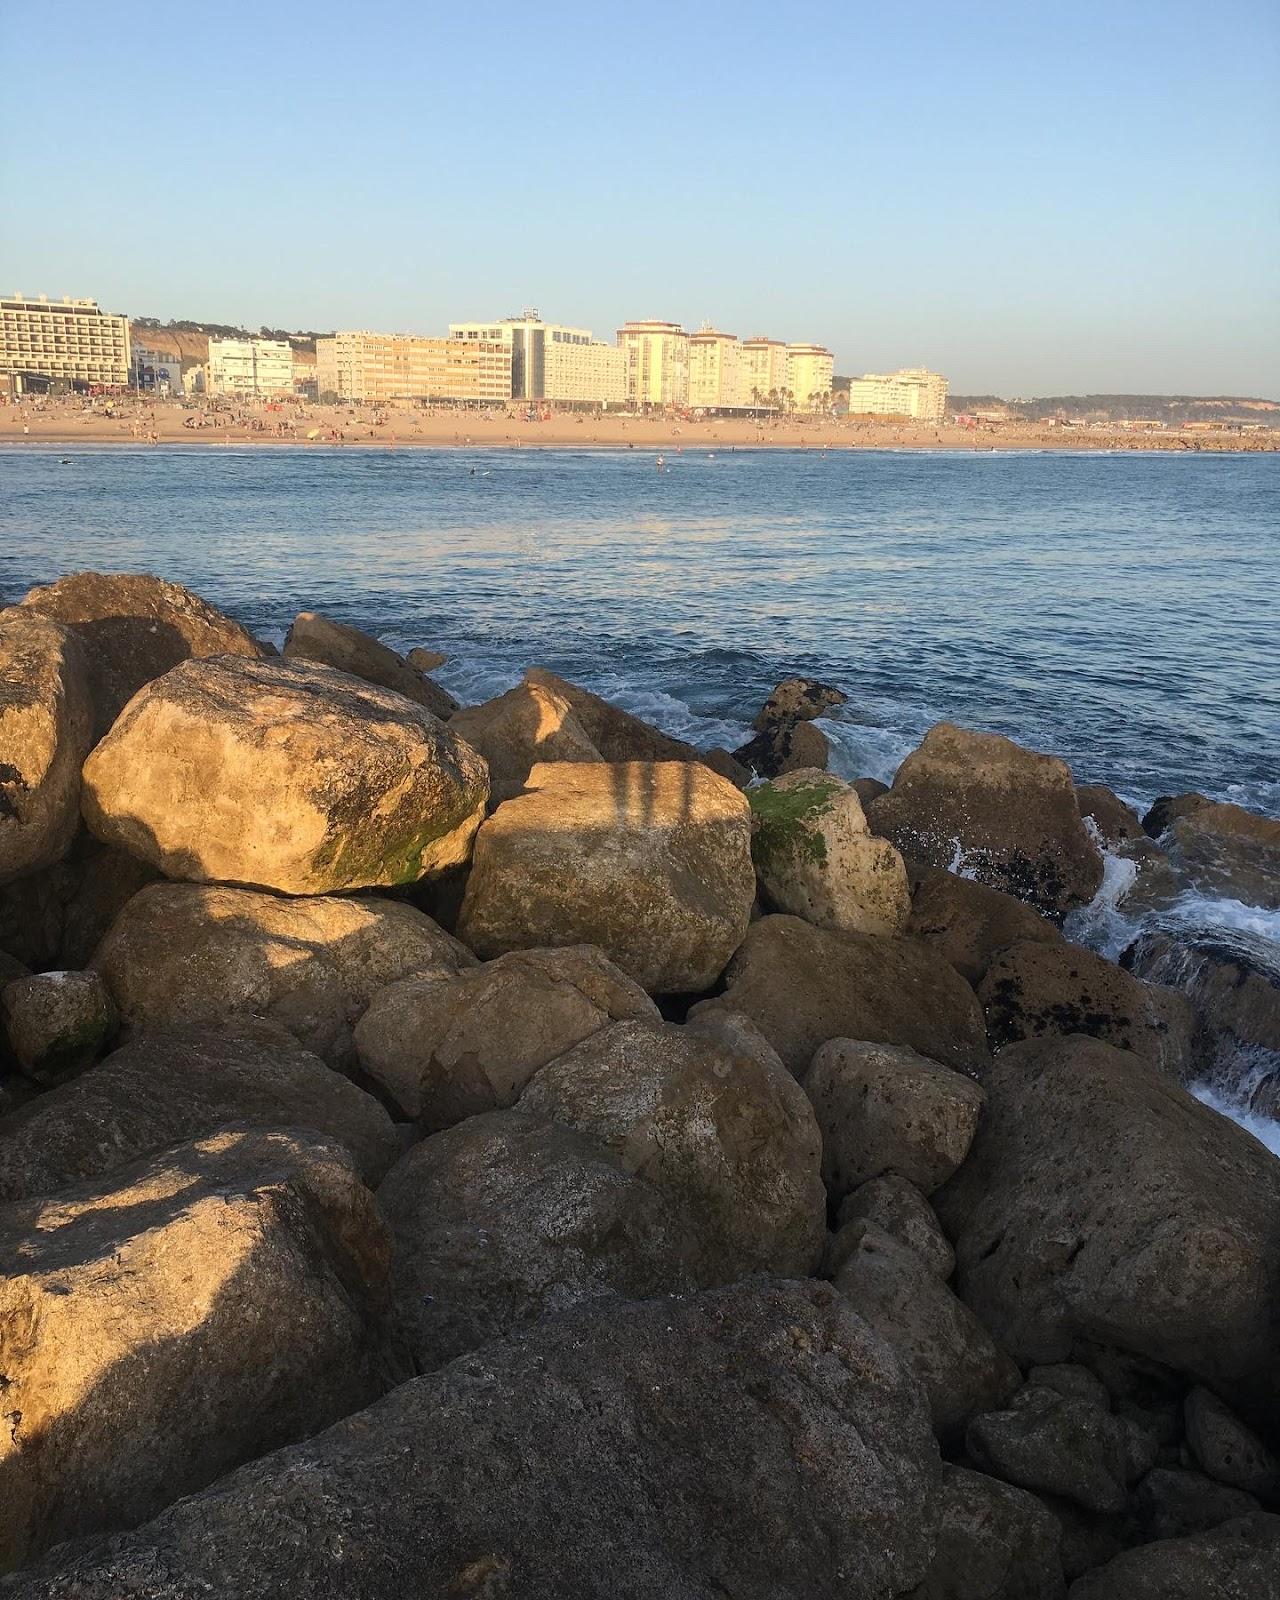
[189,341]
[1171,409]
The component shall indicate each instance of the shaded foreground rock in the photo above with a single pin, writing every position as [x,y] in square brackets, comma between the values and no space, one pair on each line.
[903,1213]
[1100,1200]
[186,953]
[505,1219]
[815,857]
[995,1542]
[1238,1561]
[885,1109]
[803,985]
[286,776]
[757,1441]
[1009,813]
[46,730]
[1034,991]
[970,924]
[1227,1450]
[938,1337]
[167,1088]
[446,1048]
[313,637]
[161,1326]
[1171,1503]
[729,1138]
[650,862]
[58,1023]
[135,628]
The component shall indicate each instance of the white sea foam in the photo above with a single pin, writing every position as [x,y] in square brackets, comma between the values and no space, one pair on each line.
[1264,1129]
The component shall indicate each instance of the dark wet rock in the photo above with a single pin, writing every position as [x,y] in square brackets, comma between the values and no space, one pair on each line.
[1115,821]
[1228,851]
[1238,1561]
[58,1023]
[1034,991]
[1010,814]
[995,1542]
[757,1441]
[969,924]
[313,637]
[785,747]
[505,1219]
[1167,808]
[884,1108]
[134,628]
[797,700]
[803,985]
[169,1087]
[869,789]
[1101,1201]
[934,1332]
[163,1324]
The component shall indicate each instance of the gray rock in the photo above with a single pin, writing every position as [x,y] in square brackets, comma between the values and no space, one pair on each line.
[446,1048]
[1171,1503]
[504,1219]
[167,1088]
[995,1542]
[730,1139]
[1228,1450]
[938,1336]
[757,1441]
[883,1108]
[1072,1380]
[905,1215]
[1238,1561]
[58,1023]
[803,985]
[1101,1201]
[163,1324]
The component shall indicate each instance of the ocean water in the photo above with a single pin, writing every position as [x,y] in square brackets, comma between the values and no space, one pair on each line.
[1122,611]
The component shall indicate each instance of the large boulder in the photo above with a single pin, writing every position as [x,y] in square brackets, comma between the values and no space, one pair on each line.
[58,1023]
[181,953]
[784,739]
[1238,1561]
[162,1325]
[731,1138]
[882,1108]
[649,861]
[1102,1201]
[313,637]
[935,1333]
[167,1088]
[517,730]
[134,628]
[506,1218]
[803,985]
[46,731]
[446,1048]
[1034,990]
[815,857]
[615,733]
[756,1441]
[287,776]
[1009,815]
[995,1542]
[1230,852]
[969,924]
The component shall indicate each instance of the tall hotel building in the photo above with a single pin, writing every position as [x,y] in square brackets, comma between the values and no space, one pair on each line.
[715,370]
[70,341]
[249,367]
[809,374]
[912,392]
[385,367]
[657,362]
[553,362]
[762,366]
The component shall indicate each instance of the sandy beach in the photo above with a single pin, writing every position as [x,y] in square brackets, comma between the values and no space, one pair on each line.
[146,422]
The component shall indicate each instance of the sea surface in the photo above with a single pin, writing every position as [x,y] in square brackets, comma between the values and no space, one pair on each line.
[1119,610]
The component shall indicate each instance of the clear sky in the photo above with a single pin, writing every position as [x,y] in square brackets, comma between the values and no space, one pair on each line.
[1032,198]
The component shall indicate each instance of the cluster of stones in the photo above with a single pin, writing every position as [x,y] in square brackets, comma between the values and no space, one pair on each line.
[506,1151]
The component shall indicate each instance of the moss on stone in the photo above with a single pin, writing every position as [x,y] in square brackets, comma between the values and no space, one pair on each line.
[781,814]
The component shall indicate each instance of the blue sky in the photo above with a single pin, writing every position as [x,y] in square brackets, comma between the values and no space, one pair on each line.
[1032,198]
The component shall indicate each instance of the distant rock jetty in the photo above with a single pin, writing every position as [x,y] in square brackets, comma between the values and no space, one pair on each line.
[504,1151]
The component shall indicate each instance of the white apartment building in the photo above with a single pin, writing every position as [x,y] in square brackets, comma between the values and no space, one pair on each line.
[552,362]
[657,362]
[715,370]
[762,367]
[387,367]
[810,368]
[911,392]
[72,341]
[249,367]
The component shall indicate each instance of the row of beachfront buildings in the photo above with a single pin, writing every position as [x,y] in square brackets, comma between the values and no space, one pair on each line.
[523,359]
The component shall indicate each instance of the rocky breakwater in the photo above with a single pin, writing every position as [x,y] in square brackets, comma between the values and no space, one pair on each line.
[483,1151]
